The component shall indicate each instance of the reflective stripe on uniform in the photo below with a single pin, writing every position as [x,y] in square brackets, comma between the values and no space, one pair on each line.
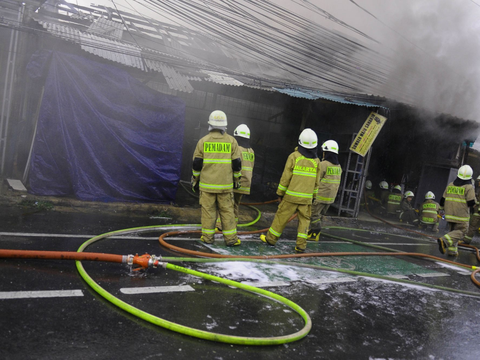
[195,173]
[324,198]
[302,235]
[458,218]
[276,233]
[281,187]
[303,173]
[463,201]
[430,211]
[229,232]
[217,161]
[216,187]
[330,181]
[208,231]
[298,194]
[449,240]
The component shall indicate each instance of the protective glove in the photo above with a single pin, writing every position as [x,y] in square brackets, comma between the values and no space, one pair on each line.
[236,183]
[194,183]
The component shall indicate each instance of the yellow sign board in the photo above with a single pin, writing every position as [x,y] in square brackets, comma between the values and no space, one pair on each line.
[368,133]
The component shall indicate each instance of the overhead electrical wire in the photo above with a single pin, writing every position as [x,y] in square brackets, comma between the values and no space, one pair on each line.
[200,17]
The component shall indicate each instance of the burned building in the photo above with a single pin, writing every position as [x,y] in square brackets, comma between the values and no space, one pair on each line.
[105,105]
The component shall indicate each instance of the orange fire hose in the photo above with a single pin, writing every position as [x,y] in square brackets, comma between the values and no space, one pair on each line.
[285,256]
[142,261]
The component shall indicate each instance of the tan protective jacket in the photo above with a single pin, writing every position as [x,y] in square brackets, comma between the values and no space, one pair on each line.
[217,151]
[330,176]
[429,212]
[248,161]
[456,198]
[394,201]
[300,179]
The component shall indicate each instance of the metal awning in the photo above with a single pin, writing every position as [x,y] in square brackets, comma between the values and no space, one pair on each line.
[315,94]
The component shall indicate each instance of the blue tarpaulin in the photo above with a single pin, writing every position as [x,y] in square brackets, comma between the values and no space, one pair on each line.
[102,135]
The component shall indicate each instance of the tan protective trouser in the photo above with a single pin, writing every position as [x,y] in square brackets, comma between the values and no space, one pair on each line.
[472,227]
[237,198]
[223,203]
[457,233]
[318,210]
[285,211]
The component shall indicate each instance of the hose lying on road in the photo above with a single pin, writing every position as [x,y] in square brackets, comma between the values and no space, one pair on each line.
[276,340]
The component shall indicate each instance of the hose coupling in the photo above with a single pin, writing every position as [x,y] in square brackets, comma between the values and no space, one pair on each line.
[128,259]
[154,261]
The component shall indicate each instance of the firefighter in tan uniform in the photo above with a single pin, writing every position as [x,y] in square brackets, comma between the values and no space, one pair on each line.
[429,212]
[330,176]
[384,193]
[457,198]
[242,135]
[475,217]
[216,171]
[394,202]
[297,189]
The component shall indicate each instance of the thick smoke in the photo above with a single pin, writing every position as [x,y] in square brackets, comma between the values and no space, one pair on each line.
[434,51]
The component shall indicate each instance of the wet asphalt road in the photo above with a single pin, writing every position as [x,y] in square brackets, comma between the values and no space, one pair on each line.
[354,317]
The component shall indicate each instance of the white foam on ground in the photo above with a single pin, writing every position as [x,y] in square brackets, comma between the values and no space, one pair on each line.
[265,273]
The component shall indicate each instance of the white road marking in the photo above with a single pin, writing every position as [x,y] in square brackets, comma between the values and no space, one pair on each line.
[88,236]
[266,283]
[329,281]
[156,289]
[398,276]
[427,275]
[4,295]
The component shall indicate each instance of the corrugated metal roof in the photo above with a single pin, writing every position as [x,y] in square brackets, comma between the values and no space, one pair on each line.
[102,26]
[221,78]
[314,95]
[121,52]
[175,80]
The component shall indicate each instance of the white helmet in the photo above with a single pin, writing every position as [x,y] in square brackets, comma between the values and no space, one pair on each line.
[330,145]
[242,130]
[383,185]
[409,193]
[429,195]
[308,139]
[368,184]
[478,177]
[217,119]
[398,187]
[465,172]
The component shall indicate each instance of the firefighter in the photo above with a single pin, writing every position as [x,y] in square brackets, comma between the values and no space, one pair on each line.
[297,190]
[394,201]
[216,172]
[372,202]
[408,214]
[384,193]
[429,212]
[330,175]
[457,198]
[475,216]
[242,135]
